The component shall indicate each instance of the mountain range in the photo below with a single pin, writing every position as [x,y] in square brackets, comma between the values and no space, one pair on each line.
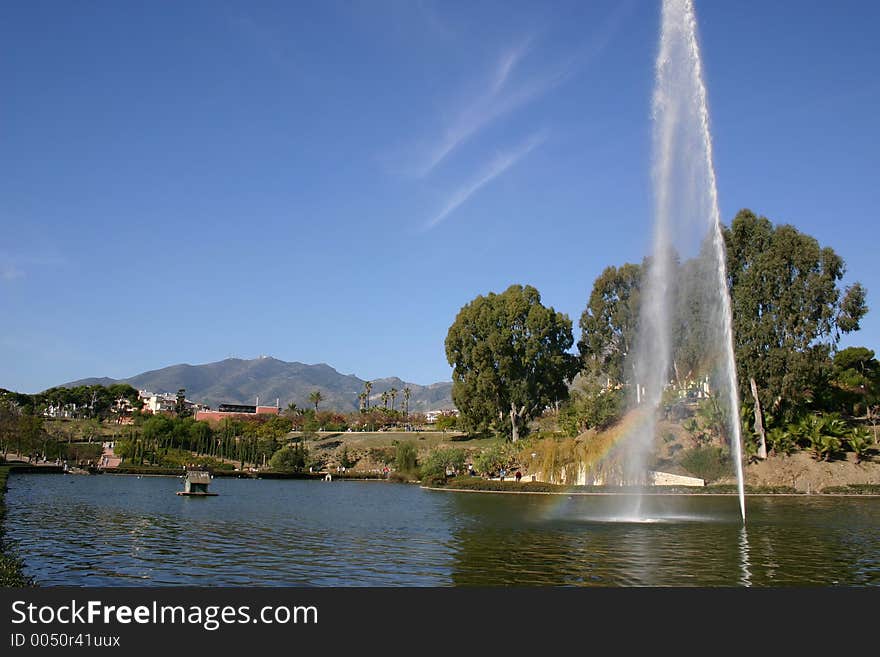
[239,381]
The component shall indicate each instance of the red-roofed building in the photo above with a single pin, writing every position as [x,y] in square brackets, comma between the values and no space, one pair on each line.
[236,410]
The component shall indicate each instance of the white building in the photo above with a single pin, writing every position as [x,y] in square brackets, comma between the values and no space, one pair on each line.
[161,402]
[432,416]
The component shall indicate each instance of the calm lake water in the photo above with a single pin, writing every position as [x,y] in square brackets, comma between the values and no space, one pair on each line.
[123,531]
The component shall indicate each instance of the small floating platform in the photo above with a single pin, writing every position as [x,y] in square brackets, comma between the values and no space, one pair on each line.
[195,483]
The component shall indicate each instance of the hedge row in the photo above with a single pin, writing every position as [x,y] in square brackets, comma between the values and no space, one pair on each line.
[853,489]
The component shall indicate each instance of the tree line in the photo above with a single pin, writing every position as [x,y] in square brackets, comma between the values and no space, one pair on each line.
[512,357]
[173,439]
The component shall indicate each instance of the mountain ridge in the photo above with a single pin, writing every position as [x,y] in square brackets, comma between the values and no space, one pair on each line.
[241,381]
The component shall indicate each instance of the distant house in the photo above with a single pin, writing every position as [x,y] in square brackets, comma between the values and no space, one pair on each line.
[162,402]
[432,416]
[157,402]
[60,410]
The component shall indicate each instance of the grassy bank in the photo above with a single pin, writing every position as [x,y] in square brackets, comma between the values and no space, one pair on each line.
[11,574]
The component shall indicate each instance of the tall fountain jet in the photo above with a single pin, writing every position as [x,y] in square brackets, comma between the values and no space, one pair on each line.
[687,226]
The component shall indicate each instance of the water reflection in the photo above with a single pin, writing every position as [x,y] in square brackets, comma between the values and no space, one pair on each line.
[746,577]
[686,541]
[111,530]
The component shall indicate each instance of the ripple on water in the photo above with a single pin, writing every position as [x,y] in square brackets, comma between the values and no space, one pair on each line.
[121,531]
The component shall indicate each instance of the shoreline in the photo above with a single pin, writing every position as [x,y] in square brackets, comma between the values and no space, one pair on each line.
[11,566]
[581,494]
[648,494]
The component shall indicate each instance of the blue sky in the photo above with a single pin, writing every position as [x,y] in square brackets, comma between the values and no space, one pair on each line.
[331,182]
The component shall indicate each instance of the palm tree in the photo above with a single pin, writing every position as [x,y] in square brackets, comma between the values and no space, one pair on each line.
[860,442]
[393,394]
[292,408]
[385,399]
[362,401]
[821,434]
[407,393]
[368,388]
[781,441]
[316,397]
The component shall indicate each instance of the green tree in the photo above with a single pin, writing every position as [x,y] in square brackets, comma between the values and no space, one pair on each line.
[493,458]
[608,324]
[124,391]
[290,459]
[180,407]
[856,377]
[405,460]
[407,393]
[368,388]
[509,357]
[393,395]
[316,398]
[446,422]
[591,406]
[345,460]
[788,311]
[441,463]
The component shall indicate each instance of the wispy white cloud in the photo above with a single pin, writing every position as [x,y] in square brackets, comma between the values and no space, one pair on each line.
[15,266]
[9,272]
[501,96]
[501,163]
[506,89]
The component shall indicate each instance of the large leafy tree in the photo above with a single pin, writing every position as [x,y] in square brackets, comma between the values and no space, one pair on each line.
[509,357]
[608,324]
[788,311]
[856,379]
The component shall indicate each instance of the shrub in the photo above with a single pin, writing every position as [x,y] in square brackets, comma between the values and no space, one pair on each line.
[820,433]
[824,446]
[406,459]
[440,463]
[493,458]
[859,441]
[446,422]
[591,407]
[345,460]
[289,459]
[709,462]
[475,483]
[853,489]
[384,455]
[781,441]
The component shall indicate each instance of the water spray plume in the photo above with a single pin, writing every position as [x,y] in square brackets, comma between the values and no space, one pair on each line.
[687,218]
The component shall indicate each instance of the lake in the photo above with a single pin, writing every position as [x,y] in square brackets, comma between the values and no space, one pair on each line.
[113,530]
